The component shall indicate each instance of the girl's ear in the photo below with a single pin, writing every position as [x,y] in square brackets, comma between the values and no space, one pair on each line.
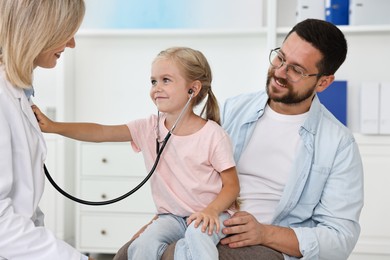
[196,87]
[324,83]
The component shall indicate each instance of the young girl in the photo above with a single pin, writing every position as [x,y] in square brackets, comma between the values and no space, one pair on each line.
[195,182]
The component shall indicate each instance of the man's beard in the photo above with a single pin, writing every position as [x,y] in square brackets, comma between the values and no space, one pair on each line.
[290,97]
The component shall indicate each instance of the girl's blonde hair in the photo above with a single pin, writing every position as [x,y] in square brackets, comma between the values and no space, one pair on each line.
[195,66]
[30,27]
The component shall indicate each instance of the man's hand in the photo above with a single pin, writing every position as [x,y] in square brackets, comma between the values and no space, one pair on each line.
[244,230]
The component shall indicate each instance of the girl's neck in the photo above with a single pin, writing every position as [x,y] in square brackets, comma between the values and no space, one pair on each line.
[188,124]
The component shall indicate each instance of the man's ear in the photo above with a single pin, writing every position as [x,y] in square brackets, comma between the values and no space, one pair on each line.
[324,83]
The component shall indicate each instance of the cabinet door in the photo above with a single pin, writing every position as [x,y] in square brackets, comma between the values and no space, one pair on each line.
[110,170]
[375,233]
[107,233]
[107,171]
[100,190]
[110,160]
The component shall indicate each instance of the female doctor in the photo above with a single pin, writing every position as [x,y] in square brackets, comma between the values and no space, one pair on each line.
[32,33]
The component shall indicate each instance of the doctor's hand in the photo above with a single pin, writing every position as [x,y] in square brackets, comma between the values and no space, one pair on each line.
[44,122]
[243,229]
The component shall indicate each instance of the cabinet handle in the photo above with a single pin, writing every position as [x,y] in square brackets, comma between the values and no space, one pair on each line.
[104,196]
[104,160]
[103,232]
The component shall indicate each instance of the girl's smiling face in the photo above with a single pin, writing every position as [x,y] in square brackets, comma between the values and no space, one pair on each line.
[48,59]
[169,88]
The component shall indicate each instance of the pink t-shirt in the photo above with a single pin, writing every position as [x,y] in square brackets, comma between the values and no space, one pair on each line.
[187,177]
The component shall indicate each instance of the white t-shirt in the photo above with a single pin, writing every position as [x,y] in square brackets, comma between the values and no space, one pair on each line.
[266,162]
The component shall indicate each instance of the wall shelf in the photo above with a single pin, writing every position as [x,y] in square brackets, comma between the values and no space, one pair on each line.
[348,29]
[172,32]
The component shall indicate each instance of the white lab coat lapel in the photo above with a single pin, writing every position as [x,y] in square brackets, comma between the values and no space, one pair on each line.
[25,105]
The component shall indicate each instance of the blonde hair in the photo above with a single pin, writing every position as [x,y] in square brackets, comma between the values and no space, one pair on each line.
[195,66]
[30,27]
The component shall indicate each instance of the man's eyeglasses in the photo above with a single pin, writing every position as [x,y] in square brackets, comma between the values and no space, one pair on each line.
[294,72]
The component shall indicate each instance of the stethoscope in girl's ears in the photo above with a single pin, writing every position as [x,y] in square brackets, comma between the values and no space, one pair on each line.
[159,149]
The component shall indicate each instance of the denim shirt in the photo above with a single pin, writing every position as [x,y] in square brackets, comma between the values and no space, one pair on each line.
[323,196]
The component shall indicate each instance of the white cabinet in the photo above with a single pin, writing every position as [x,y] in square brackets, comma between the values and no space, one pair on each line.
[104,172]
[374,240]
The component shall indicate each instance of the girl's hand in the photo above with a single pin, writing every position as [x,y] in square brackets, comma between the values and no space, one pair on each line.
[43,121]
[209,218]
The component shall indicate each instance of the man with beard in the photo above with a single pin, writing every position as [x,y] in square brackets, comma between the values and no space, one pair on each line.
[300,169]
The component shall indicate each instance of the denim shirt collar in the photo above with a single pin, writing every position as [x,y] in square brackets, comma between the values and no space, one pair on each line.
[261,104]
[311,123]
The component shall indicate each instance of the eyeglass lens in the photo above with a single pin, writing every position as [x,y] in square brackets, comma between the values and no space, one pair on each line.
[293,72]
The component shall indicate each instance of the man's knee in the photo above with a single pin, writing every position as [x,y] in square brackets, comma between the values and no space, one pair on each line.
[122,252]
[169,252]
[249,252]
[225,253]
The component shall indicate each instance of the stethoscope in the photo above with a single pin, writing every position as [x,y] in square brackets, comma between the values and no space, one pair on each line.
[159,149]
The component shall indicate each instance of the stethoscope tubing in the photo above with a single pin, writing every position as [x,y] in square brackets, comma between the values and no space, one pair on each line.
[111,201]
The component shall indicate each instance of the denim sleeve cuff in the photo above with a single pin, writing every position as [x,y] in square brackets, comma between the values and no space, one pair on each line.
[308,243]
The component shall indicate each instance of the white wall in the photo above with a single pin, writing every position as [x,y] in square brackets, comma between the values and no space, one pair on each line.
[112,74]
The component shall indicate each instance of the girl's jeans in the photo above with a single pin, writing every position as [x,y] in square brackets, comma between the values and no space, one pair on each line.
[192,243]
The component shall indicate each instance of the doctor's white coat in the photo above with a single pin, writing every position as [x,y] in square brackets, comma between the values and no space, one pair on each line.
[22,154]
